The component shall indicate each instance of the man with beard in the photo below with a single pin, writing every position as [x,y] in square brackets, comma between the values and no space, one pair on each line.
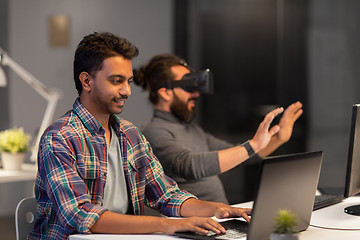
[97,172]
[188,154]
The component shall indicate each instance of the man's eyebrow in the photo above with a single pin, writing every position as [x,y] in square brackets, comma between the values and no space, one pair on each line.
[119,76]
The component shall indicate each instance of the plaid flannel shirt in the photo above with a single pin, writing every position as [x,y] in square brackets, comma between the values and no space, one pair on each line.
[72,167]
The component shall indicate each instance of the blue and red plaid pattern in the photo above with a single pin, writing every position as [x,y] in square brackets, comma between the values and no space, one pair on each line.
[72,169]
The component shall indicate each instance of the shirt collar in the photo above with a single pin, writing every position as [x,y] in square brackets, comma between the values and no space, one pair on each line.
[90,121]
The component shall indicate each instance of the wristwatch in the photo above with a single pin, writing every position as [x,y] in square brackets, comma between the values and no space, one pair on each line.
[248,148]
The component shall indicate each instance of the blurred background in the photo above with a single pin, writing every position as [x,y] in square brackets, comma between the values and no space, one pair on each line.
[263,53]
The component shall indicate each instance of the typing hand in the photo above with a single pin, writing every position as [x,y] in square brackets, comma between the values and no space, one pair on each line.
[226,211]
[201,225]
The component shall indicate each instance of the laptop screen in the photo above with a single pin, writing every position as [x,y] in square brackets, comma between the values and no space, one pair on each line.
[286,182]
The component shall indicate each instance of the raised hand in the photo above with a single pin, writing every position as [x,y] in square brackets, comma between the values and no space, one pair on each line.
[263,134]
[286,124]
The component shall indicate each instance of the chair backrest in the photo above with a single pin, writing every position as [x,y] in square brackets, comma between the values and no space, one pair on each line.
[25,216]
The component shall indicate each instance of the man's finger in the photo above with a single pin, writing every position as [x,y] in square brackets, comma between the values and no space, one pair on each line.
[274,130]
[271,115]
[298,114]
[293,109]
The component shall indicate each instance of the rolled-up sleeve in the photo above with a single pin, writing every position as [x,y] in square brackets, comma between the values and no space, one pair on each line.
[162,193]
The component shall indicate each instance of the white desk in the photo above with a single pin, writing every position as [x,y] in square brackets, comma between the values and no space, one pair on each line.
[333,217]
[14,186]
[28,173]
[333,223]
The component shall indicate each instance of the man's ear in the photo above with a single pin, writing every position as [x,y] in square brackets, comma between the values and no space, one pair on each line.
[165,94]
[85,81]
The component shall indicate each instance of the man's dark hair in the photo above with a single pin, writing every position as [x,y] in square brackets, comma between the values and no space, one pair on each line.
[95,48]
[156,72]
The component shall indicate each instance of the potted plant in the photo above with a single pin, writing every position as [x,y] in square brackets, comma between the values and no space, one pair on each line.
[14,144]
[285,221]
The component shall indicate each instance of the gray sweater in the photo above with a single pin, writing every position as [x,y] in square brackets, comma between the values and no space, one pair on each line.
[188,155]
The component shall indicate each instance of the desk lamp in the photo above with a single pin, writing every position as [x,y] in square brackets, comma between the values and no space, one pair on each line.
[51,95]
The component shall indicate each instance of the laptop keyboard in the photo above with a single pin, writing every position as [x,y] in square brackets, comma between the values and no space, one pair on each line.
[235,229]
[231,234]
[322,201]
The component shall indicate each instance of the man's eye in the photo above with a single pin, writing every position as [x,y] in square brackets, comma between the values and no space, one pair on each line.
[120,81]
[116,81]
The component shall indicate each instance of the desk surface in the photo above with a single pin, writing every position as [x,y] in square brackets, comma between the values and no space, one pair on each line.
[321,220]
[28,173]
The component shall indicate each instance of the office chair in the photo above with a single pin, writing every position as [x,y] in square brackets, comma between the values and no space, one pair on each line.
[25,215]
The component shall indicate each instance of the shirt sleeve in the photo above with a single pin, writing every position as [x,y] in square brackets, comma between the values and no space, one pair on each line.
[65,191]
[162,193]
[218,144]
[179,161]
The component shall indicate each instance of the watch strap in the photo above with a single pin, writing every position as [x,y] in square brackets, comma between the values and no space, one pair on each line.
[249,149]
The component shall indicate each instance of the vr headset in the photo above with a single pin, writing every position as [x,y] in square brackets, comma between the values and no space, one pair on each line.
[201,81]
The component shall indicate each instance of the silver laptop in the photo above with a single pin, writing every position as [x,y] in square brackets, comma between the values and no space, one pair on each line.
[284,182]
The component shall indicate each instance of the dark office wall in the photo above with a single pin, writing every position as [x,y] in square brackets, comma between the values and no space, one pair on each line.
[267,52]
[257,52]
[334,73]
[4,107]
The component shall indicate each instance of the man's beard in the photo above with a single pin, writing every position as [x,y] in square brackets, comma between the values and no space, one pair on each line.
[180,109]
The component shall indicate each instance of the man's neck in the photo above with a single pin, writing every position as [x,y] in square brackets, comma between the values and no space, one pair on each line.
[163,107]
[103,118]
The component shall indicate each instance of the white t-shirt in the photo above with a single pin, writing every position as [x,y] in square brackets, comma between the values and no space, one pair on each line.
[115,192]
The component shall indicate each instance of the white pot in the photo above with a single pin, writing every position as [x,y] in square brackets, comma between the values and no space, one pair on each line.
[278,236]
[12,161]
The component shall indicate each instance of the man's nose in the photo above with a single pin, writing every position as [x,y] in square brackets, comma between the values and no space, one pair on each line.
[125,89]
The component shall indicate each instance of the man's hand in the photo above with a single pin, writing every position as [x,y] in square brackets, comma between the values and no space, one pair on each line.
[200,225]
[226,211]
[194,207]
[203,224]
[263,134]
[286,124]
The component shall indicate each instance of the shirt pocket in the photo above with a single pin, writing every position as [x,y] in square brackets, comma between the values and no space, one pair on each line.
[89,168]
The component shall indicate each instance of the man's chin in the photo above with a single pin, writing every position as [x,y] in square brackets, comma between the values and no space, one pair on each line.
[190,116]
[118,110]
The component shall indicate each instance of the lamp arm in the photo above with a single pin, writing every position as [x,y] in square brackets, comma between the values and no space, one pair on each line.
[25,75]
[51,95]
[53,98]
